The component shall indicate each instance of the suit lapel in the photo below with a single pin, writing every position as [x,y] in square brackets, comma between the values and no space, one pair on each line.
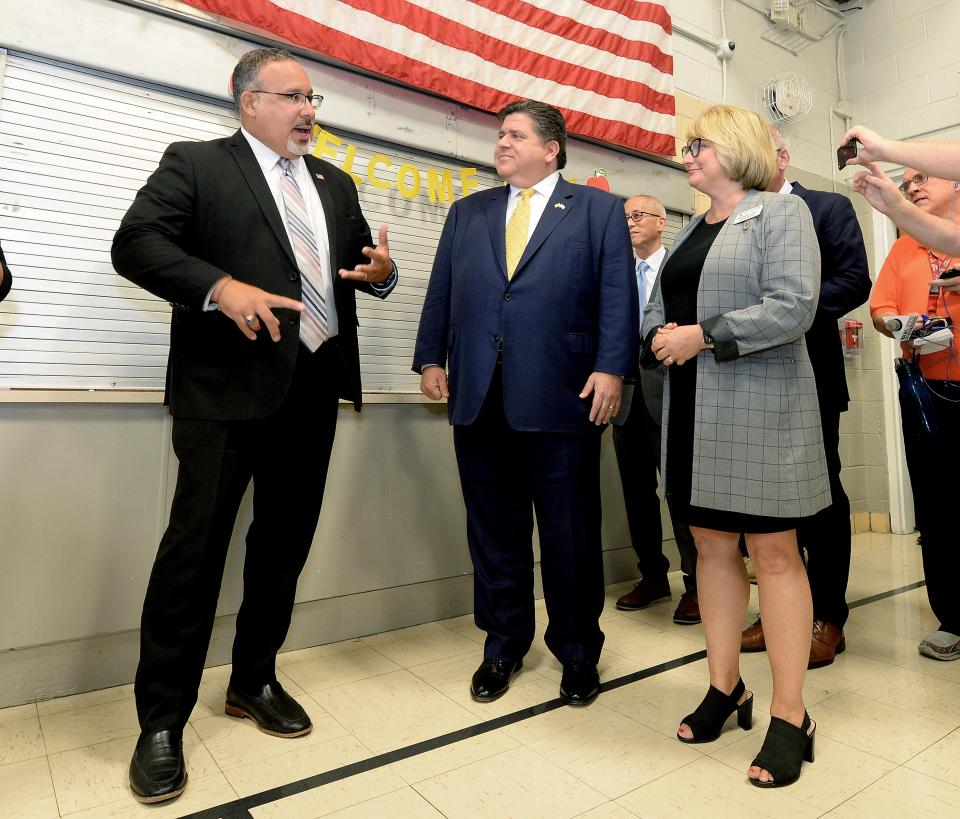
[496,211]
[326,199]
[250,168]
[560,204]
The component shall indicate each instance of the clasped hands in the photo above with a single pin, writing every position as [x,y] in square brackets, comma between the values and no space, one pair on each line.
[677,344]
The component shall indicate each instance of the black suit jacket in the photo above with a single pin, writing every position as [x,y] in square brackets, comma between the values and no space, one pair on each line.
[205,212]
[7,281]
[844,286]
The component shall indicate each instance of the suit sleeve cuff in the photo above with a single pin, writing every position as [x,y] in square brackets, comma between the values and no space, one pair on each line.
[382,289]
[724,344]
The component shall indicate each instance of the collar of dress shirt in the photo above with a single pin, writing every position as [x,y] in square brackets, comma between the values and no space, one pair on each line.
[266,157]
[545,186]
[787,187]
[655,259]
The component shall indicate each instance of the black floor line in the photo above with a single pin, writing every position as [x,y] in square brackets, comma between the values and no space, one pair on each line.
[241,807]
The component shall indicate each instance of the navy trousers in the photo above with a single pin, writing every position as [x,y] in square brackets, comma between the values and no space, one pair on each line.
[506,475]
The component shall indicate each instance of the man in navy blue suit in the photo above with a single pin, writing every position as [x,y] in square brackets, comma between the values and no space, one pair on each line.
[844,286]
[532,309]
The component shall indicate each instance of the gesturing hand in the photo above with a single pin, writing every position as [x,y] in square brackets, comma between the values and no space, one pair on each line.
[380,266]
[248,306]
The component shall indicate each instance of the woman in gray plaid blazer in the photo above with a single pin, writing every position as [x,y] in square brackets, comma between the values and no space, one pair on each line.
[742,446]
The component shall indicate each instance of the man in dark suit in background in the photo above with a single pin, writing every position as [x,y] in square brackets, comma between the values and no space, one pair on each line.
[6,279]
[244,236]
[844,286]
[636,438]
[532,306]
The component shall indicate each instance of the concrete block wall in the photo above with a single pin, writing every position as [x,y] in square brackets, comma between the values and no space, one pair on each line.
[698,73]
[903,68]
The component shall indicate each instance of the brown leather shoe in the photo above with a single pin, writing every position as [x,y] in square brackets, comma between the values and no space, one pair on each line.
[643,595]
[828,641]
[752,638]
[687,612]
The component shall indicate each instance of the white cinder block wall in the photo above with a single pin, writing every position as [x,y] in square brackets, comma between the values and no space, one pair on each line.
[903,68]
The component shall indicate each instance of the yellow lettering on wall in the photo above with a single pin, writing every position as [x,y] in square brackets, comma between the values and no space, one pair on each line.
[348,164]
[412,189]
[468,180]
[439,185]
[378,159]
[327,144]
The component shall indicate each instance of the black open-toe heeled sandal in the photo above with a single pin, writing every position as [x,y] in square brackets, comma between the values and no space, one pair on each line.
[707,721]
[784,751]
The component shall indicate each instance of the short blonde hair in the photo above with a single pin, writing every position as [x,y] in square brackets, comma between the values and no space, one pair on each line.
[744,147]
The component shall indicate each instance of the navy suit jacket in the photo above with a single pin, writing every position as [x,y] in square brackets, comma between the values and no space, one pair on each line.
[844,286]
[570,309]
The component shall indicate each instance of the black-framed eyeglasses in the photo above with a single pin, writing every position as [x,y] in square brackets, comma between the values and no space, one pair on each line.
[694,145]
[297,99]
[637,215]
[919,179]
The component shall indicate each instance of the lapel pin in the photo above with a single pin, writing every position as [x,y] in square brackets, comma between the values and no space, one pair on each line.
[560,205]
[319,176]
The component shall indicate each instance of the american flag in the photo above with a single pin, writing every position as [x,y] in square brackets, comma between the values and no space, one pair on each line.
[606,64]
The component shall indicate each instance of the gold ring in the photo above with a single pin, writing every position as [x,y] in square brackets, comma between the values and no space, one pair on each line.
[250,320]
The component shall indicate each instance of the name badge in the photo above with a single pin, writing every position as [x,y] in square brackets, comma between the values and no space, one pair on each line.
[748,214]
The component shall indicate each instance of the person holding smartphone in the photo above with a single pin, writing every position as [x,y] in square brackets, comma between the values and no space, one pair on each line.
[941,159]
[915,279]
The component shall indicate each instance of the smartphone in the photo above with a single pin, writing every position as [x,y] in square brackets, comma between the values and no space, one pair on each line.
[848,151]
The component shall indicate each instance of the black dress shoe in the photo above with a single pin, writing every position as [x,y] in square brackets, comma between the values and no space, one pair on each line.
[492,679]
[580,683]
[273,709]
[157,769]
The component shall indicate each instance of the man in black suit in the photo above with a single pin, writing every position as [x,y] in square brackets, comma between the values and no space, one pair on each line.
[636,438]
[244,236]
[844,286]
[6,279]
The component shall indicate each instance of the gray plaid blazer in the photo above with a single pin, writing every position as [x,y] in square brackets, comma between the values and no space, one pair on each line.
[758,446]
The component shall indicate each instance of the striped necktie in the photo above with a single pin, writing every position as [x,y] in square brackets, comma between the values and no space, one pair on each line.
[517,229]
[314,324]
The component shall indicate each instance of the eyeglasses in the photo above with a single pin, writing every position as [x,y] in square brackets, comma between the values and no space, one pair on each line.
[918,180]
[297,99]
[637,215]
[693,147]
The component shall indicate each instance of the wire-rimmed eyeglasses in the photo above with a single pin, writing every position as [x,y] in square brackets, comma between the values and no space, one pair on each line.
[637,215]
[919,179]
[297,99]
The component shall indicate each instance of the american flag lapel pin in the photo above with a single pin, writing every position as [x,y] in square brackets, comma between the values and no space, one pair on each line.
[560,205]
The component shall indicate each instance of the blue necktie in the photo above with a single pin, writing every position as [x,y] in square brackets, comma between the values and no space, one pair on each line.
[642,269]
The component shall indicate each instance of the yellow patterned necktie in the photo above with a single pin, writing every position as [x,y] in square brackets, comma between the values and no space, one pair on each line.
[517,229]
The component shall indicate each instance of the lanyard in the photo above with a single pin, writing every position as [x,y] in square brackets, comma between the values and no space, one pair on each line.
[937,266]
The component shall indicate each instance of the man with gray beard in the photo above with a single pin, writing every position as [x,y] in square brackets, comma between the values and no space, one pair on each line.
[261,250]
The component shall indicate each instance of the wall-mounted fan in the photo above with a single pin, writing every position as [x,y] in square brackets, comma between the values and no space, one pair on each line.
[787,98]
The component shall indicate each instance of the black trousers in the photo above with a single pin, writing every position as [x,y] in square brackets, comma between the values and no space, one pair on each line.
[927,461]
[637,444]
[826,535]
[505,476]
[286,456]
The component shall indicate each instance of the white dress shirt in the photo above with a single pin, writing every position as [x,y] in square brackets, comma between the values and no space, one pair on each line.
[267,159]
[538,202]
[654,260]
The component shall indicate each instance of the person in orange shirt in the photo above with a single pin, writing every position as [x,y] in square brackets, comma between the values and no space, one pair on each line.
[910,283]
